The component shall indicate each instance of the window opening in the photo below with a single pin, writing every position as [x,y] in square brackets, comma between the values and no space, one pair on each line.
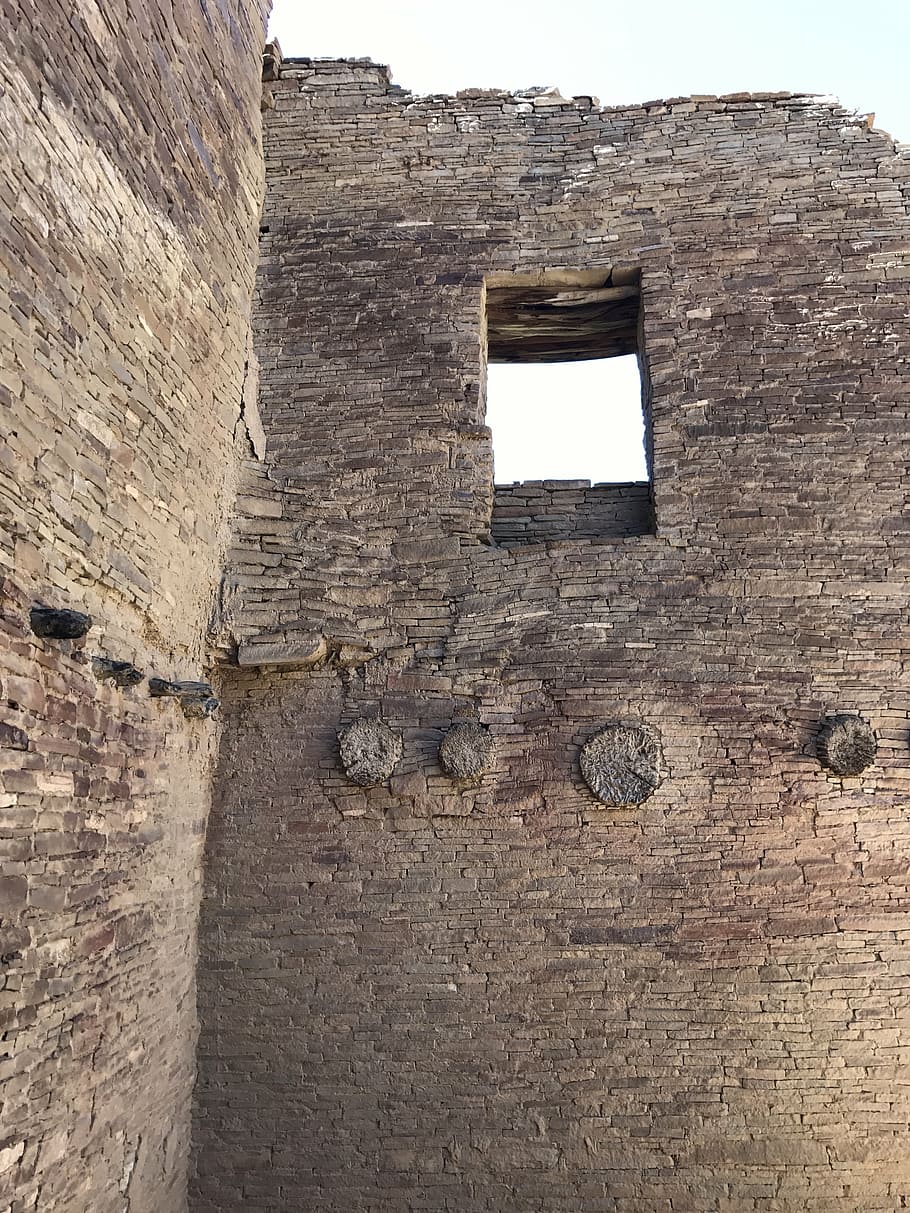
[567,420]
[568,403]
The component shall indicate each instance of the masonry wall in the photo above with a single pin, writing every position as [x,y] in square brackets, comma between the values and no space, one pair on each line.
[538,511]
[505,996]
[129,196]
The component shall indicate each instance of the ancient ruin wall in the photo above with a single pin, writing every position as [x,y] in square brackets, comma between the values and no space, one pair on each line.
[130,182]
[500,994]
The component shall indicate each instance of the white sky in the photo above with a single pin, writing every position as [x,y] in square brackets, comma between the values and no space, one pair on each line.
[566,421]
[621,53]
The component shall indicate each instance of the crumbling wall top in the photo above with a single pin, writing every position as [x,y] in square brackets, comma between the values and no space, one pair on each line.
[332,72]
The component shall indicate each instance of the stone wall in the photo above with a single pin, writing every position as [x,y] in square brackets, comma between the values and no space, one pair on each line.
[131,183]
[538,511]
[503,995]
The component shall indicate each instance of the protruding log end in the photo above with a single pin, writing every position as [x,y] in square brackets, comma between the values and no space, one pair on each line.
[51,623]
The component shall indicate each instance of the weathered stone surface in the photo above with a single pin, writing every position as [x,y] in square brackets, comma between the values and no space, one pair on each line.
[422,994]
[846,744]
[466,751]
[501,995]
[53,623]
[541,512]
[370,751]
[302,650]
[271,60]
[12,737]
[622,764]
[130,184]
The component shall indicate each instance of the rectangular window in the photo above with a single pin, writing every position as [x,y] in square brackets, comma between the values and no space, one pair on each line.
[568,406]
[567,420]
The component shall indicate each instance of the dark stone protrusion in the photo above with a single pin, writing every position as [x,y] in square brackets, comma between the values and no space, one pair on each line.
[120,673]
[52,624]
[370,751]
[846,744]
[623,763]
[197,699]
[466,750]
[162,687]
